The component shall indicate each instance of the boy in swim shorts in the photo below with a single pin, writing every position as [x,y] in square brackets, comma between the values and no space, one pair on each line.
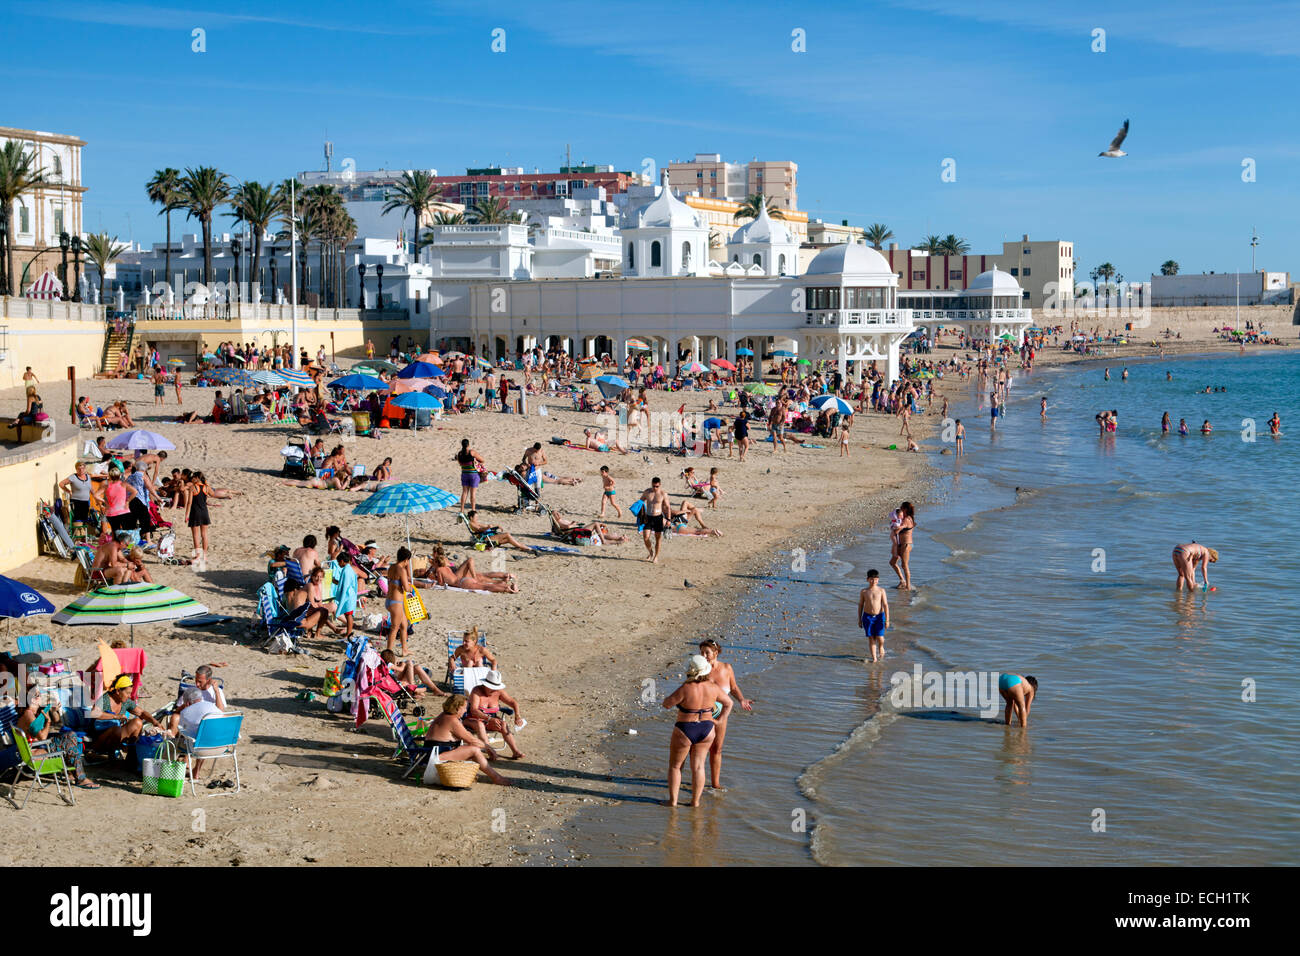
[873,614]
[607,493]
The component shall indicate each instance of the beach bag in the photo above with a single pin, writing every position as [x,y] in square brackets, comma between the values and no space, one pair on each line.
[145,745]
[332,685]
[164,775]
[415,612]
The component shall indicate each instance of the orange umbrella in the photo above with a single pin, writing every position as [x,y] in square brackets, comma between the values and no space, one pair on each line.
[109,663]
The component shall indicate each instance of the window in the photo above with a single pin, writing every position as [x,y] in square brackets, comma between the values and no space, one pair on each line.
[1027,250]
[700,174]
[780,265]
[1026,271]
[954,273]
[686,257]
[631,256]
[713,174]
[24,219]
[918,275]
[1015,271]
[758,259]
[58,218]
[656,255]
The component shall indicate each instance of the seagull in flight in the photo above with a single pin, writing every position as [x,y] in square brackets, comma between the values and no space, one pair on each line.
[1113,151]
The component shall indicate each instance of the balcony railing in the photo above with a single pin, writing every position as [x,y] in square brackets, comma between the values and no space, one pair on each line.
[972,315]
[21,307]
[247,312]
[867,319]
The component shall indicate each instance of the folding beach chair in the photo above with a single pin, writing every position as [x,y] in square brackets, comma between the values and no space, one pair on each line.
[414,753]
[36,650]
[281,626]
[464,679]
[577,536]
[477,538]
[216,738]
[44,768]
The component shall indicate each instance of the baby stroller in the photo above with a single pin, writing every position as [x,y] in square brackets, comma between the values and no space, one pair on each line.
[296,462]
[529,497]
[167,550]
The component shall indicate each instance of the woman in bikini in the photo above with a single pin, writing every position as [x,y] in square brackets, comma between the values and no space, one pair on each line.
[693,733]
[1186,557]
[399,585]
[449,740]
[900,560]
[467,576]
[471,653]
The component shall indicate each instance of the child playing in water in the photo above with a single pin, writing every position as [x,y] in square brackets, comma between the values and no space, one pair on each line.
[873,614]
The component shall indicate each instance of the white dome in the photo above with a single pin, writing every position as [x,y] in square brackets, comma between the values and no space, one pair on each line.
[996,282]
[666,211]
[850,258]
[764,229]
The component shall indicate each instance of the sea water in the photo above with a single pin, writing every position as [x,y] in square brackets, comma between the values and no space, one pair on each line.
[1165,729]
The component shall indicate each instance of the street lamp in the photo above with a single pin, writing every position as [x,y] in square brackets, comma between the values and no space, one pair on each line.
[76,265]
[361,282]
[235,249]
[1254,241]
[379,285]
[64,242]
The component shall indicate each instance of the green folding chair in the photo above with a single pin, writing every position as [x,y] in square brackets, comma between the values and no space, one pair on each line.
[43,768]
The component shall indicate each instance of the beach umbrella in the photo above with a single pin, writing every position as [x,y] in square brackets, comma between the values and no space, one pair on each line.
[268,378]
[406,498]
[130,604]
[209,357]
[759,388]
[139,439]
[234,377]
[455,355]
[484,363]
[1007,336]
[695,368]
[19,600]
[835,404]
[399,385]
[296,377]
[420,370]
[437,391]
[610,386]
[748,352]
[357,382]
[782,353]
[723,363]
[636,345]
[235,357]
[416,400]
[803,362]
[176,361]
[379,365]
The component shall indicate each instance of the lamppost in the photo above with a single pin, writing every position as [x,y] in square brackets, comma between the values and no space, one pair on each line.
[1254,241]
[235,249]
[275,278]
[361,282]
[76,265]
[64,242]
[379,285]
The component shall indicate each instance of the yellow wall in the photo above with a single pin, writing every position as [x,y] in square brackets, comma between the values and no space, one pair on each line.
[349,334]
[27,473]
[49,345]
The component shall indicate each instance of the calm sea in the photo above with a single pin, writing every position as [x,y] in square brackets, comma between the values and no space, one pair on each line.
[1165,731]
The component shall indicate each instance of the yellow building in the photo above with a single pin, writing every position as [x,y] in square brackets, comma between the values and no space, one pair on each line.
[709,177]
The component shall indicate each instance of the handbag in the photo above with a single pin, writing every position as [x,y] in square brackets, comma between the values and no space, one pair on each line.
[164,775]
[415,611]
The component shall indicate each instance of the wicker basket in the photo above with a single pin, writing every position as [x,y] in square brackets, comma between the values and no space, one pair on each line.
[458,774]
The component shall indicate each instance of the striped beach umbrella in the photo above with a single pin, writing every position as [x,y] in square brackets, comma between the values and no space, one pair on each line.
[129,604]
[759,388]
[178,362]
[832,404]
[47,286]
[268,378]
[406,498]
[297,377]
[695,368]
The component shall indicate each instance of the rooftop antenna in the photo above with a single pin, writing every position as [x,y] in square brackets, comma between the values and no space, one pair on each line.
[329,154]
[568,155]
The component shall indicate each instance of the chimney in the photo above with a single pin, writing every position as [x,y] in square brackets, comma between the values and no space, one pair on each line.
[1025,237]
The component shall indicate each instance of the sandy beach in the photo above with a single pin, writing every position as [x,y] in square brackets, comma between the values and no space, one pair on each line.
[573,644]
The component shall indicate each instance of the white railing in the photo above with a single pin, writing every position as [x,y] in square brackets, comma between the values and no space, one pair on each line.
[594,238]
[20,307]
[972,315]
[486,231]
[862,318]
[243,312]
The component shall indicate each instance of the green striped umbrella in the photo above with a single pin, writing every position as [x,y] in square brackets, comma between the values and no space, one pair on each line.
[129,604]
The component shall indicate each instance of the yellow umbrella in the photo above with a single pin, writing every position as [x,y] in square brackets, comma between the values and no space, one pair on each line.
[108,661]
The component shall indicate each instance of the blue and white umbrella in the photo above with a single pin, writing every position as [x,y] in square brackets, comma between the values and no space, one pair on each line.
[406,498]
[19,600]
[358,382]
[416,400]
[139,439]
[832,404]
[611,385]
[420,370]
[297,377]
[267,377]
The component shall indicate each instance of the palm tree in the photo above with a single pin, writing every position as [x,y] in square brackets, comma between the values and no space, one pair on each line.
[931,244]
[18,176]
[204,189]
[491,211]
[322,203]
[1169,268]
[877,234]
[416,192]
[752,205]
[951,245]
[449,219]
[165,190]
[715,239]
[257,204]
[101,250]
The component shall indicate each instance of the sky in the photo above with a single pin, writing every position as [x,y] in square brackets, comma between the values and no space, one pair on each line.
[1019,96]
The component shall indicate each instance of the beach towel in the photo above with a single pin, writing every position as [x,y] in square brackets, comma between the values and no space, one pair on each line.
[427,583]
[345,591]
[553,549]
[132,661]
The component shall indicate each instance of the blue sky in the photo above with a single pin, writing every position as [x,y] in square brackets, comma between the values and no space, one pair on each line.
[883,94]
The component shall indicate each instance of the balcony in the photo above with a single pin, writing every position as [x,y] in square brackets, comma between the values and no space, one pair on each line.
[863,320]
[922,316]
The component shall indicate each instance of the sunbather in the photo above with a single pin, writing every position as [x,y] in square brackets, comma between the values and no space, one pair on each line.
[600,441]
[466,575]
[471,653]
[321,614]
[451,740]
[410,675]
[495,534]
[110,560]
[116,719]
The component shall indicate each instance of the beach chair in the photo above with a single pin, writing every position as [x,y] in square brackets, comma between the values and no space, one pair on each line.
[464,679]
[37,650]
[256,414]
[44,768]
[280,625]
[294,577]
[216,739]
[415,754]
[577,536]
[477,538]
[529,498]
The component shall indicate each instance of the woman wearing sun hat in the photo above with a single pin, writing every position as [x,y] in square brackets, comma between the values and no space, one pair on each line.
[118,719]
[693,733]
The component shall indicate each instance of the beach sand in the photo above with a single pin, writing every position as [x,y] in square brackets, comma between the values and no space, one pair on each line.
[573,645]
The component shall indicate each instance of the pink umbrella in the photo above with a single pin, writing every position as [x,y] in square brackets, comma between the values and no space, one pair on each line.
[400,386]
[723,363]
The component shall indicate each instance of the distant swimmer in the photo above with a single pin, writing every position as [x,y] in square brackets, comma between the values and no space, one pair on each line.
[1108,375]
[873,614]
[1042,408]
[961,437]
[1124,377]
[1169,376]
[1275,425]
[1165,424]
[1207,428]
[1019,693]
[1187,557]
[1182,426]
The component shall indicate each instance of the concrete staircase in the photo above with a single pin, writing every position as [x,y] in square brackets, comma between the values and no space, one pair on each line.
[115,344]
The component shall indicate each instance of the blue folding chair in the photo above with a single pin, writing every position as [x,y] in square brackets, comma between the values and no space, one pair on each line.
[275,620]
[464,679]
[216,738]
[294,577]
[415,754]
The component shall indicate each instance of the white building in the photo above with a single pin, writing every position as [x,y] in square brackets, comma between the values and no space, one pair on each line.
[1221,288]
[767,243]
[665,237]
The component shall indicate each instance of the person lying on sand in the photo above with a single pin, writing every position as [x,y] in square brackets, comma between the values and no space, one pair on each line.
[561,479]
[599,441]
[465,575]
